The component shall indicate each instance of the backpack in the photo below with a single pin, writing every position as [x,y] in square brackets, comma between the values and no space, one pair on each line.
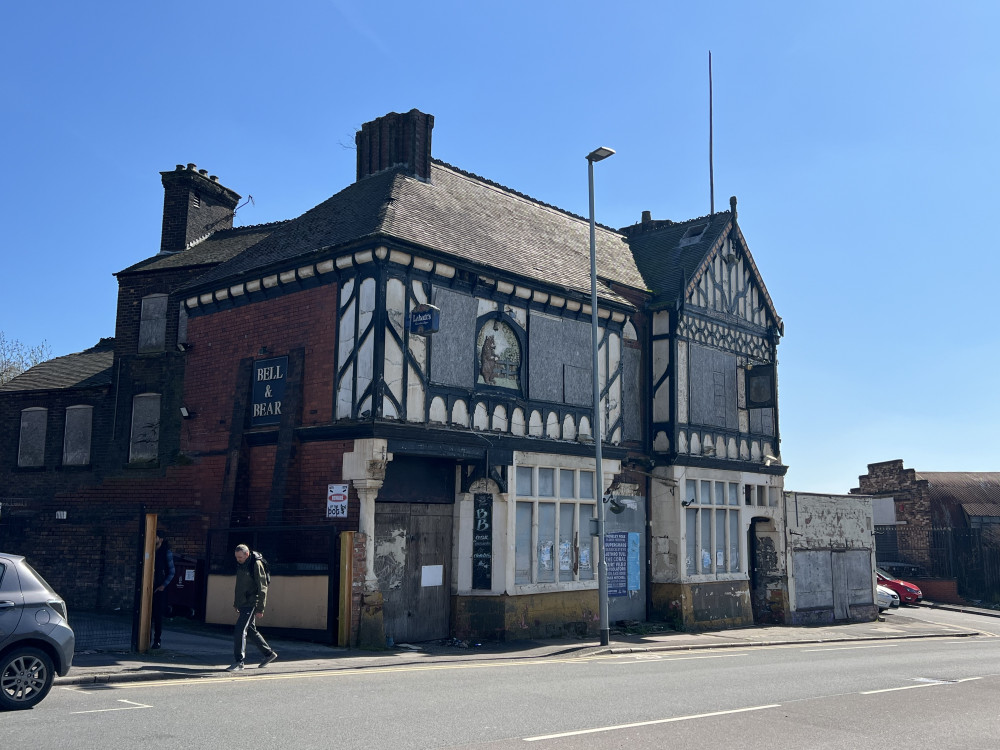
[267,568]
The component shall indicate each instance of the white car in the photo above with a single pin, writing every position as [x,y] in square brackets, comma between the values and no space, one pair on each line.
[886,597]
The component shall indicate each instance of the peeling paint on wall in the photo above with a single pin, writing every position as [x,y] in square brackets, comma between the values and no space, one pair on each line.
[390,559]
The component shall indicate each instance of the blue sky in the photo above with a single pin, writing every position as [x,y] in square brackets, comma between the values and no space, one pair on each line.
[858,137]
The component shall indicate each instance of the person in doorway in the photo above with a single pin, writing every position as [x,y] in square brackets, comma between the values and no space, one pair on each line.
[249,600]
[163,574]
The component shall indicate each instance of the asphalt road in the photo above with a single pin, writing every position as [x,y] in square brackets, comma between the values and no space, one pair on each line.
[940,692]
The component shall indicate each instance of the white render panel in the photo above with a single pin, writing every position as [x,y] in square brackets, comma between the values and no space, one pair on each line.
[393,368]
[535,426]
[460,413]
[517,426]
[366,363]
[395,304]
[439,411]
[414,397]
[366,303]
[345,394]
[480,420]
[486,306]
[500,418]
[682,382]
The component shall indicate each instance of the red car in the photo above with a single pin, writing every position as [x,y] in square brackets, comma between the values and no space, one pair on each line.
[908,593]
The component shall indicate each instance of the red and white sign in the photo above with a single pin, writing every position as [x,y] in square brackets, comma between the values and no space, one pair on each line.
[336,501]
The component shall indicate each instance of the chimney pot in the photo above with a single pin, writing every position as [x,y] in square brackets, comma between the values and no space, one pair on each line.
[203,171]
[647,217]
[192,167]
[180,167]
[213,178]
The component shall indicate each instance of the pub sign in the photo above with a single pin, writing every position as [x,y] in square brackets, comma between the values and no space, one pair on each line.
[425,319]
[270,376]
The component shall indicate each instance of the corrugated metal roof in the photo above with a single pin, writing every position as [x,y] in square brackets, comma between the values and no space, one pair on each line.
[962,486]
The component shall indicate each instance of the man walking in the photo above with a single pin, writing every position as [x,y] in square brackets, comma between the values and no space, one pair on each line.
[249,600]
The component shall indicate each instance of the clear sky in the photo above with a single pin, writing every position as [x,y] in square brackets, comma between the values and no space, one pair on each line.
[859,138]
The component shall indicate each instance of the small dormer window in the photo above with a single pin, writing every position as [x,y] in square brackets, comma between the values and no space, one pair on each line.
[196,200]
[693,235]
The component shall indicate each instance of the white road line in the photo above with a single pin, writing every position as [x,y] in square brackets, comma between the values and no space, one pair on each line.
[648,723]
[652,657]
[935,683]
[845,648]
[123,708]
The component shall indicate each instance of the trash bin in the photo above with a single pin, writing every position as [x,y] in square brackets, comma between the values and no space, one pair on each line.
[183,598]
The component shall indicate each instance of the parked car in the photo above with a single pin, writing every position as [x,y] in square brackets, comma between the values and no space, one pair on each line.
[908,593]
[886,598]
[36,641]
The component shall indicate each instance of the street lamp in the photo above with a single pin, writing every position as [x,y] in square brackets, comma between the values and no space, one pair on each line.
[598,154]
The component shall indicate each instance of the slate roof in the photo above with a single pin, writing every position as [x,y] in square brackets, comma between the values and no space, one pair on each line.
[217,248]
[664,262]
[87,369]
[456,213]
[963,487]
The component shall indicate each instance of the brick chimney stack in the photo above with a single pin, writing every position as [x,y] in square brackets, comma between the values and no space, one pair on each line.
[194,205]
[394,140]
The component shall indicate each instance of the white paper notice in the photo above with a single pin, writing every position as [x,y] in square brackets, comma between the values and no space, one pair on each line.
[432,575]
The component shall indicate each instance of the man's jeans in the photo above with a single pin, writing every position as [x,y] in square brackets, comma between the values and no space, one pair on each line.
[244,625]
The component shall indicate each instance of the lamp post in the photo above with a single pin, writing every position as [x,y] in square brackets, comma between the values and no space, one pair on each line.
[598,154]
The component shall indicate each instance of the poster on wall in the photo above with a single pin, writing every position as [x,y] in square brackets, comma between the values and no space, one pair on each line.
[616,554]
[621,549]
[336,501]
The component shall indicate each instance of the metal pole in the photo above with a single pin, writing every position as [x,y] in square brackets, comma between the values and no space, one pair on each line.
[602,565]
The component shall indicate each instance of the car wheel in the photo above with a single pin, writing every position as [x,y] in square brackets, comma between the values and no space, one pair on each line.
[25,678]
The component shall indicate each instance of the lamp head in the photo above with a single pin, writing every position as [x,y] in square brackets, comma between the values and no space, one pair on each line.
[599,154]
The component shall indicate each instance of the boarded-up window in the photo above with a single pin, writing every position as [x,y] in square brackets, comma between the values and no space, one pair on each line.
[153,323]
[31,449]
[713,388]
[76,439]
[145,440]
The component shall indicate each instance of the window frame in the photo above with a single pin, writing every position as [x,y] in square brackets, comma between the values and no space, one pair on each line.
[706,501]
[581,545]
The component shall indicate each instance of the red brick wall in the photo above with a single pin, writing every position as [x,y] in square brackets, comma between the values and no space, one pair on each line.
[220,340]
[911,498]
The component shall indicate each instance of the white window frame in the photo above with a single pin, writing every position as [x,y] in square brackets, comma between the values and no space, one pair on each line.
[701,502]
[585,544]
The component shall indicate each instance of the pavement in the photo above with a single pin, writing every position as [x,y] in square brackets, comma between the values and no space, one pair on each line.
[191,649]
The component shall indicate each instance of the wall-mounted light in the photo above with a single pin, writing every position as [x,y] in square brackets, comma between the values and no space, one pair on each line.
[183,346]
[686,503]
[769,459]
[186,413]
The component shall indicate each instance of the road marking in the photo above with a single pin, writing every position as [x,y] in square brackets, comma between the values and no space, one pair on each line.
[846,648]
[123,708]
[616,727]
[654,657]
